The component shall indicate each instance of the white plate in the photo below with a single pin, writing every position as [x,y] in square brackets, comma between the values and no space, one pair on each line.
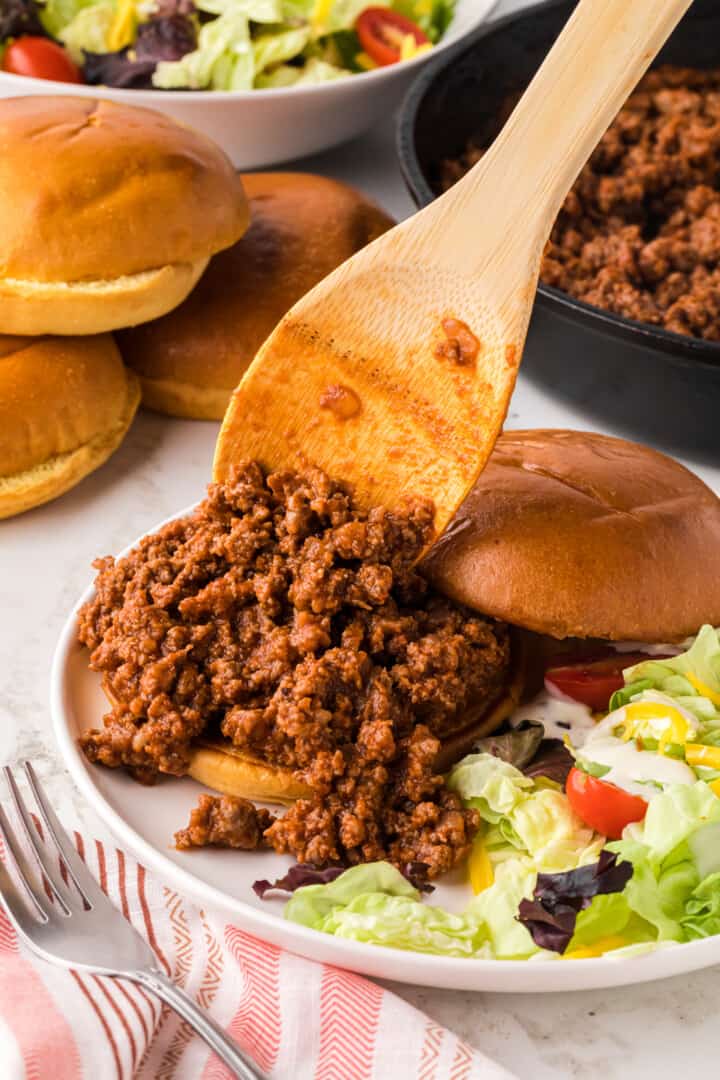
[144,819]
[257,128]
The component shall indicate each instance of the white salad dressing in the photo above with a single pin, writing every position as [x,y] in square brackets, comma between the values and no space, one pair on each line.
[652,650]
[560,717]
[635,770]
[630,768]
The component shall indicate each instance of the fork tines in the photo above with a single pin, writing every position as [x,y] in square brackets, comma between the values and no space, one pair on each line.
[54,878]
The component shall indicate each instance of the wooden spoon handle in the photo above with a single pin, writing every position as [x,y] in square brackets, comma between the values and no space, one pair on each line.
[513,195]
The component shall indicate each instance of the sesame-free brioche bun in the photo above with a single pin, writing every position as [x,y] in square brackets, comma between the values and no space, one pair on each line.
[302,228]
[65,405]
[572,534]
[108,213]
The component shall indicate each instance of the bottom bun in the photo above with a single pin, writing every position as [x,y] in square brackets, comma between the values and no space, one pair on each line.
[23,490]
[94,307]
[176,398]
[219,766]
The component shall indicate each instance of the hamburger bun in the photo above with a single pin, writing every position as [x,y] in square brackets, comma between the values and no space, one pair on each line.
[303,227]
[108,213]
[573,534]
[65,405]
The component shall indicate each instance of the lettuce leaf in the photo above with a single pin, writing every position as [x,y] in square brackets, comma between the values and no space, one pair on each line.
[672,850]
[538,821]
[88,31]
[488,784]
[701,917]
[670,676]
[432,16]
[496,910]
[259,11]
[162,38]
[551,915]
[55,15]
[275,48]
[223,59]
[375,903]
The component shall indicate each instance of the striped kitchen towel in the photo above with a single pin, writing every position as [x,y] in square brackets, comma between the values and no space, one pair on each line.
[298,1019]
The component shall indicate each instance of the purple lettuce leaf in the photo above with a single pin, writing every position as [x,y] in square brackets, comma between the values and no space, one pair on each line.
[553,760]
[296,878]
[302,874]
[19,18]
[517,747]
[166,37]
[558,898]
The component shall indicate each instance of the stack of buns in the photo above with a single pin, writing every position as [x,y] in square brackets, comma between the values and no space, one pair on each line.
[110,215]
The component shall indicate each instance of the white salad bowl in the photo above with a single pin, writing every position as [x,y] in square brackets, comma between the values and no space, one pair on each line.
[257,128]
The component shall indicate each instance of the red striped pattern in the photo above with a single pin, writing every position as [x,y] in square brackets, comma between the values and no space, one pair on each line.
[349,1016]
[183,967]
[348,1045]
[429,1059]
[24,997]
[462,1062]
[256,1024]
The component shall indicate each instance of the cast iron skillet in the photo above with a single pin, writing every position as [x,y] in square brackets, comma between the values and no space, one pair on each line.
[640,379]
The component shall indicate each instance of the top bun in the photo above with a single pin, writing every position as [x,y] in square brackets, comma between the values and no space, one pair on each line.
[303,227]
[573,534]
[108,213]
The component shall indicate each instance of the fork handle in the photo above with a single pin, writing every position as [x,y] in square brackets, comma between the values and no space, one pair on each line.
[226,1048]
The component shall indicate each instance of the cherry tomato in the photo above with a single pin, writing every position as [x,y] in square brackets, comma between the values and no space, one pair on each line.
[381,34]
[40,59]
[593,682]
[604,807]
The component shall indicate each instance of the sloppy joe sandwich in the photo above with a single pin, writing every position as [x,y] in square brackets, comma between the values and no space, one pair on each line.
[109,213]
[303,226]
[281,644]
[65,405]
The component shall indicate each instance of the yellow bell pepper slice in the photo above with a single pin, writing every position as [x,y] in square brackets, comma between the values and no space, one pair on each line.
[122,31]
[697,754]
[320,15]
[714,786]
[603,945]
[702,689]
[479,866]
[365,62]
[638,712]
[409,47]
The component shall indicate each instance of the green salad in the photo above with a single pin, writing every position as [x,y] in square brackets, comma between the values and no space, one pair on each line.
[619,851]
[214,44]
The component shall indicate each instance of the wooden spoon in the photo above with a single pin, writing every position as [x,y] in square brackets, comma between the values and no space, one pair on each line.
[395,372]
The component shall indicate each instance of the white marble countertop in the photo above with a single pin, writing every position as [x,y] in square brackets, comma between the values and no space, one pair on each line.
[653,1031]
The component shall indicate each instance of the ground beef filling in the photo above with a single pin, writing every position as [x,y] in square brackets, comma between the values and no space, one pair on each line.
[283,617]
[639,234]
[225,821]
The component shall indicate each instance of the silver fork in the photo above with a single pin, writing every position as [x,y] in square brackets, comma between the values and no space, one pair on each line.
[79,927]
